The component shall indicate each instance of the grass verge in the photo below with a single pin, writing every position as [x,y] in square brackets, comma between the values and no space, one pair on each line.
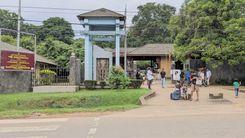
[19,105]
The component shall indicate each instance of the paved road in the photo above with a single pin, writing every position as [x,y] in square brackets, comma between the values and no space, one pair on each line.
[159,118]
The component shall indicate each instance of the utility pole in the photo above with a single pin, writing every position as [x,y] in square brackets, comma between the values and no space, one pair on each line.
[0,34]
[125,43]
[18,28]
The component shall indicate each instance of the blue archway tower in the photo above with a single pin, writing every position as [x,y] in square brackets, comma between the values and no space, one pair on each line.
[101,25]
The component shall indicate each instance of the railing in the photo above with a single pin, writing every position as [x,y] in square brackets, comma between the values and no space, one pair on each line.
[56,76]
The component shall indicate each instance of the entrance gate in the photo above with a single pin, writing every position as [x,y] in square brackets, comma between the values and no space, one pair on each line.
[100,25]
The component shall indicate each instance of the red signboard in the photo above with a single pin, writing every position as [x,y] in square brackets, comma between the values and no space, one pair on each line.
[17,61]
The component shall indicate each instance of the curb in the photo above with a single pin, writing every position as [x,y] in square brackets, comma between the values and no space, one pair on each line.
[142,99]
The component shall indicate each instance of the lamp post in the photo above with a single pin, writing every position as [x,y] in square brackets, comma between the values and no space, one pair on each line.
[125,44]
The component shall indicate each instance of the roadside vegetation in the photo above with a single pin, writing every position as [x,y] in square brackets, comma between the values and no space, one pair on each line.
[18,105]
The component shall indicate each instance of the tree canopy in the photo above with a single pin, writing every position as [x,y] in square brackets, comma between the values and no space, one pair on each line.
[57,28]
[150,25]
[211,30]
[55,37]
[8,19]
[59,51]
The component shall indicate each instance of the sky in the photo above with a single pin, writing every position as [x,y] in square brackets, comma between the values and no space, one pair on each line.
[84,5]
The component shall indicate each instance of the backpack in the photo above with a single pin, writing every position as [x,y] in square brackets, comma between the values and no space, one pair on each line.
[176,95]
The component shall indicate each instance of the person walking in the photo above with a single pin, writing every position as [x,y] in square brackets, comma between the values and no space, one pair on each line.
[182,78]
[188,76]
[194,87]
[138,75]
[163,78]
[236,85]
[149,76]
[208,76]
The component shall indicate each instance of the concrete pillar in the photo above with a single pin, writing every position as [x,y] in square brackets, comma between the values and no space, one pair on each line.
[78,71]
[75,70]
[117,43]
[88,55]
[72,65]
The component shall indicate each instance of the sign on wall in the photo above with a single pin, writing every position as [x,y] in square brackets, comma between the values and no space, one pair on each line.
[17,61]
[176,74]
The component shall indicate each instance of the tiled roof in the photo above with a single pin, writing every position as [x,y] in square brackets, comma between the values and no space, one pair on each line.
[101,13]
[39,58]
[152,50]
[129,49]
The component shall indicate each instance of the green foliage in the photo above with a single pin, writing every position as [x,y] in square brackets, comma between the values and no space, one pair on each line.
[102,84]
[47,77]
[151,25]
[59,51]
[55,50]
[8,19]
[143,64]
[54,37]
[57,28]
[136,84]
[27,42]
[78,48]
[8,39]
[210,30]
[117,78]
[90,84]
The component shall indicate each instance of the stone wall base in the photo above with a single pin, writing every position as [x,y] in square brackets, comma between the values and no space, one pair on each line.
[54,89]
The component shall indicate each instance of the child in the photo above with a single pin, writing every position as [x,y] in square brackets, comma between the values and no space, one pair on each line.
[194,87]
[184,92]
[236,87]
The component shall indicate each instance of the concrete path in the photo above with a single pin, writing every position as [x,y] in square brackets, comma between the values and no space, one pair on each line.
[161,105]
[159,118]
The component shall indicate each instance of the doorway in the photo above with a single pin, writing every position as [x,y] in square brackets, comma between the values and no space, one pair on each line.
[102,69]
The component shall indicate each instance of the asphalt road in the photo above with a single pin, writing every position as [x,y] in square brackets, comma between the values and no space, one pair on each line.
[190,126]
[160,118]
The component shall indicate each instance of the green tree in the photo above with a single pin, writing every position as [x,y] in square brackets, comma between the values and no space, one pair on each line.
[150,25]
[58,28]
[8,19]
[8,39]
[78,48]
[55,50]
[59,51]
[27,42]
[212,30]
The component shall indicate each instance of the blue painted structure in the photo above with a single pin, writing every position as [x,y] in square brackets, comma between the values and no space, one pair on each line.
[100,25]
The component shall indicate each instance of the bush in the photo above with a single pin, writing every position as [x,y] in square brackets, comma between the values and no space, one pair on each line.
[90,84]
[117,78]
[102,84]
[47,76]
[136,84]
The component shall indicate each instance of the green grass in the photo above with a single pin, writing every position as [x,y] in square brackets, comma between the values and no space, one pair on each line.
[24,104]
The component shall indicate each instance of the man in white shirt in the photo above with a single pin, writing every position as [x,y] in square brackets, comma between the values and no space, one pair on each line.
[149,76]
[209,74]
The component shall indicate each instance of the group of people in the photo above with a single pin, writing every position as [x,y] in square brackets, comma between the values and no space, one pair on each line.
[203,76]
[150,77]
[190,78]
[194,79]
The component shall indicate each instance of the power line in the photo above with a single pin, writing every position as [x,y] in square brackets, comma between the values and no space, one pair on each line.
[28,20]
[61,12]
[55,8]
